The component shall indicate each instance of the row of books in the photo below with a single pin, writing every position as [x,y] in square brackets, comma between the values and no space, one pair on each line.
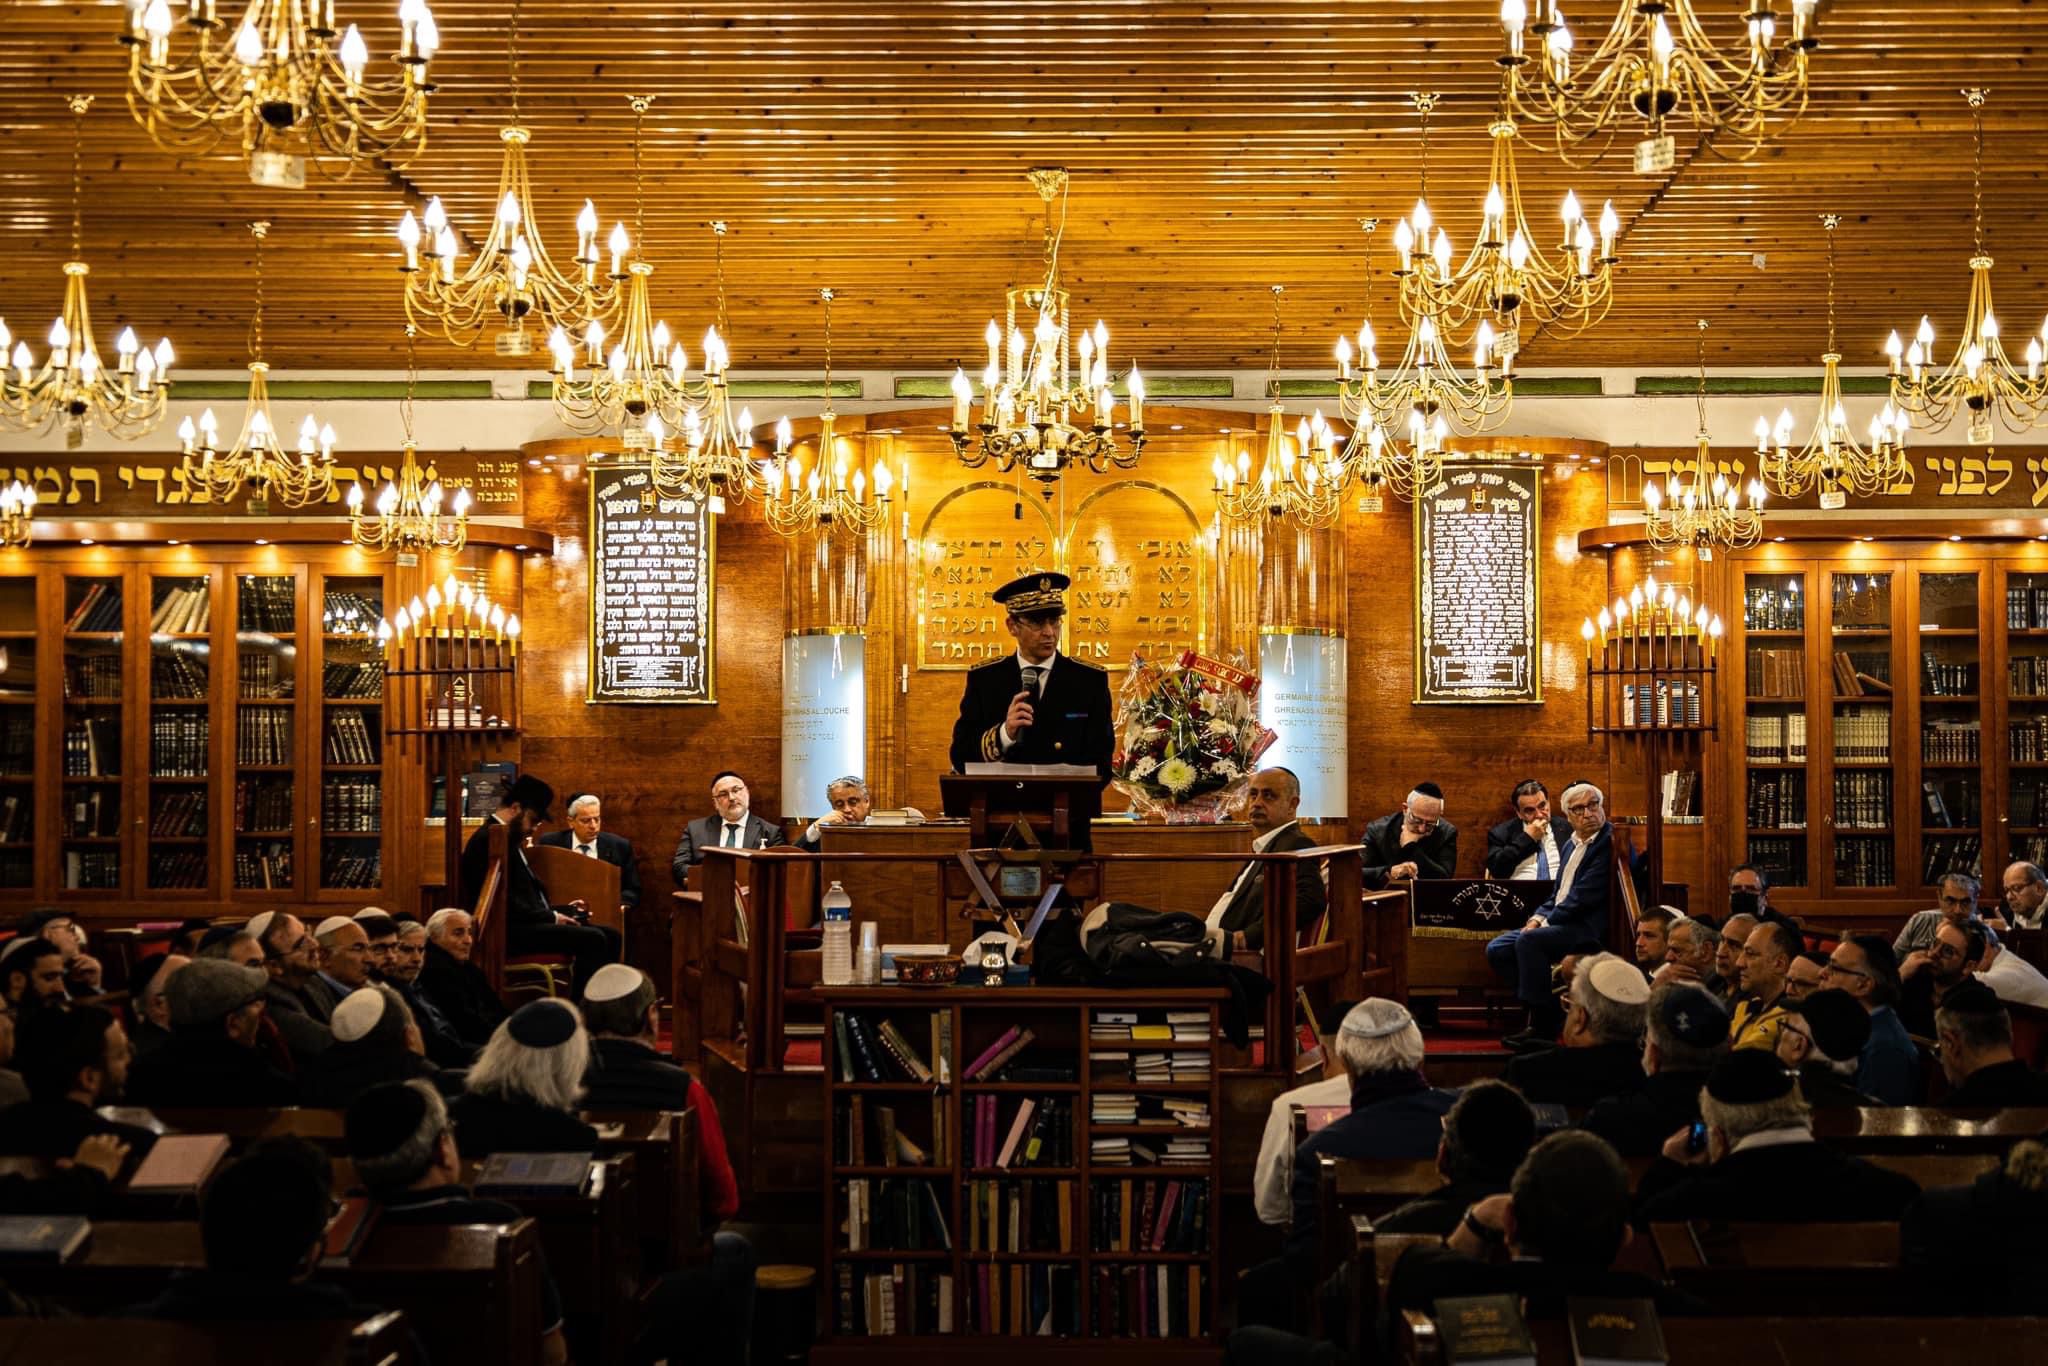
[1864,861]
[1168,1112]
[2027,675]
[1863,733]
[92,870]
[1862,674]
[2027,806]
[17,818]
[264,677]
[264,865]
[2026,606]
[1948,854]
[2027,741]
[1150,1026]
[17,740]
[877,1300]
[268,604]
[349,614]
[894,1215]
[1946,677]
[1020,1216]
[1115,1150]
[263,735]
[95,812]
[174,869]
[1951,802]
[179,813]
[263,803]
[349,739]
[998,1061]
[1776,672]
[1155,1069]
[1783,859]
[177,610]
[178,675]
[94,678]
[891,1147]
[92,748]
[1679,794]
[1951,742]
[177,743]
[1038,1133]
[1155,1215]
[877,1050]
[1686,711]
[2032,848]
[1773,609]
[98,609]
[351,865]
[17,868]
[351,806]
[1863,800]
[352,680]
[1017,1300]
[1156,1300]
[1777,739]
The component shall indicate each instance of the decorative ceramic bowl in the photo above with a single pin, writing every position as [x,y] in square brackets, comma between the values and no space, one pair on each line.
[927,969]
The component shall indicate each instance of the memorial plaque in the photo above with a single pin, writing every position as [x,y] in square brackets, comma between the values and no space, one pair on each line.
[651,628]
[1477,621]
[1468,908]
[1135,553]
[977,539]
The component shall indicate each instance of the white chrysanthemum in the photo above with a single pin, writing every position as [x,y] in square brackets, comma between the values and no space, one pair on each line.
[1219,726]
[1143,768]
[1224,769]
[1177,775]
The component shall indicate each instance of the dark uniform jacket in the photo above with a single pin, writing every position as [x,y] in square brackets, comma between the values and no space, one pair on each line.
[1071,722]
[1434,855]
[1247,908]
[1783,1183]
[1639,1122]
[207,1071]
[708,832]
[487,1123]
[616,850]
[463,995]
[1576,1077]
[1507,844]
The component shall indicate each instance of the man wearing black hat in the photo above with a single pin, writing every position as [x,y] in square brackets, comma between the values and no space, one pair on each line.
[1036,706]
[1688,1032]
[532,923]
[1975,1034]
[1822,1038]
[1760,1162]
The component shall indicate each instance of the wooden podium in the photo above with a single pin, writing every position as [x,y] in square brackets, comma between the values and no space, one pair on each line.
[1057,809]
[570,876]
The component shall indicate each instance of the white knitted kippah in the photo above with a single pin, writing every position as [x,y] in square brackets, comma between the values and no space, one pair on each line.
[1375,1018]
[259,924]
[357,1014]
[1618,981]
[612,982]
[330,925]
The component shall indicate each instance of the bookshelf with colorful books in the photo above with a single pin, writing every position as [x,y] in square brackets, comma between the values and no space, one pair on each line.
[266,724]
[177,854]
[351,741]
[18,697]
[1020,1170]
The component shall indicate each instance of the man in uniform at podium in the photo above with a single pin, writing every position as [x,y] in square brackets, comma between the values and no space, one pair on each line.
[1036,706]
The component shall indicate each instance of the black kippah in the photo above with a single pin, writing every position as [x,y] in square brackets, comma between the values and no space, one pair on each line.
[542,1024]
[1749,1076]
[382,1119]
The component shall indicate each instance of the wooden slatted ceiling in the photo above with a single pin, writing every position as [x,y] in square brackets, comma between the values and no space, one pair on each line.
[879,148]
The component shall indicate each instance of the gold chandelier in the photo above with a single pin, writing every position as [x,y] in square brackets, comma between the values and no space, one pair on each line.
[512,276]
[1655,64]
[299,478]
[283,83]
[1698,513]
[72,387]
[1028,406]
[1303,482]
[1831,458]
[836,492]
[642,385]
[1980,378]
[1427,396]
[409,520]
[1507,278]
[17,514]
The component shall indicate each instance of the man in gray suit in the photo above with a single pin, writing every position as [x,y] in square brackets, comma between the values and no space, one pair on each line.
[733,827]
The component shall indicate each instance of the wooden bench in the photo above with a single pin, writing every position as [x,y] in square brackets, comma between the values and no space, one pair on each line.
[379,1341]
[1797,1339]
[472,1292]
[1786,1268]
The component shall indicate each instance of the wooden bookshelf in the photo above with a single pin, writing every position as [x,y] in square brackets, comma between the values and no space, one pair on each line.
[994,1297]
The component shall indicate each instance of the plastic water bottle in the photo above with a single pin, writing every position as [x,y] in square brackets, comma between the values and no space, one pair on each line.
[837,968]
[837,904]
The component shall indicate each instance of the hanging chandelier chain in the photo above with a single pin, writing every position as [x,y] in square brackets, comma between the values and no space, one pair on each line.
[78,105]
[1830,221]
[1273,371]
[1371,226]
[1700,397]
[1976,95]
[718,268]
[826,295]
[641,104]
[412,375]
[261,229]
[512,58]
[1425,102]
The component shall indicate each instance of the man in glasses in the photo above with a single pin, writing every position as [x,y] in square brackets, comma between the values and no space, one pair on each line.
[1574,917]
[1822,1037]
[1974,1033]
[1414,842]
[1889,1068]
[2026,894]
[1928,975]
[296,1000]
[1958,898]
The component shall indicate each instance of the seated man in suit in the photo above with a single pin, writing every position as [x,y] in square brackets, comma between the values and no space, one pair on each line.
[1415,841]
[1036,706]
[1573,918]
[532,923]
[587,836]
[1270,805]
[850,803]
[733,826]
[1526,846]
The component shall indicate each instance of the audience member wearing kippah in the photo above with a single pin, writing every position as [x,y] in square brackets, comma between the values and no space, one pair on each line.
[1978,1248]
[522,1092]
[1975,1034]
[445,1047]
[151,1007]
[74,1061]
[1761,1163]
[1687,1028]
[1822,1039]
[375,1040]
[454,983]
[295,999]
[81,970]
[1599,1052]
[344,955]
[1488,1132]
[216,1010]
[403,1145]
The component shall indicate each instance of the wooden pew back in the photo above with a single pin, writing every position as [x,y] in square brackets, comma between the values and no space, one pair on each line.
[379,1341]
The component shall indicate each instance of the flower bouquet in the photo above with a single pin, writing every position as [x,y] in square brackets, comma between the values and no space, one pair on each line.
[1188,737]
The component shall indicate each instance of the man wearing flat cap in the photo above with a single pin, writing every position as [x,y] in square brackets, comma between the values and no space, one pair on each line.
[1036,706]
[532,923]
[212,1058]
[1760,1162]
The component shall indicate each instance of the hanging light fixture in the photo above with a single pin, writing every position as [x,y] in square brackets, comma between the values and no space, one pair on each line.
[1699,513]
[1507,278]
[299,478]
[1831,458]
[17,513]
[642,385]
[1303,482]
[1655,65]
[408,520]
[512,278]
[1980,380]
[1028,405]
[282,83]
[836,493]
[72,388]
